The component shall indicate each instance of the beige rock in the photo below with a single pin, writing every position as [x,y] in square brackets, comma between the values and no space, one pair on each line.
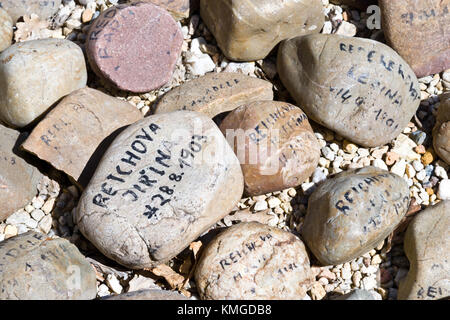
[70,133]
[35,74]
[249,30]
[148,295]
[163,182]
[18,8]
[359,88]
[254,261]
[441,131]
[6,30]
[179,9]
[275,144]
[427,246]
[215,93]
[351,213]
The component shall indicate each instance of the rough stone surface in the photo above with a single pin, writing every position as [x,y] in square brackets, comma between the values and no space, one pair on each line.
[274,143]
[34,266]
[359,88]
[427,246]
[18,8]
[70,133]
[148,295]
[351,213]
[249,30]
[441,131]
[35,74]
[357,294]
[163,181]
[18,179]
[135,46]
[418,31]
[215,93]
[6,30]
[179,9]
[254,261]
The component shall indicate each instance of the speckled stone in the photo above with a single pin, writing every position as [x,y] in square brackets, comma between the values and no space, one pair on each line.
[441,130]
[135,46]
[148,295]
[18,8]
[6,30]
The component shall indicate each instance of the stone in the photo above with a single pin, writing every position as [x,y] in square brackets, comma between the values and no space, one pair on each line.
[6,30]
[134,47]
[275,144]
[43,8]
[70,135]
[357,294]
[35,74]
[249,30]
[18,179]
[444,189]
[426,246]
[179,9]
[359,88]
[346,29]
[254,261]
[351,213]
[403,147]
[416,30]
[215,93]
[441,130]
[35,267]
[163,181]
[360,4]
[143,294]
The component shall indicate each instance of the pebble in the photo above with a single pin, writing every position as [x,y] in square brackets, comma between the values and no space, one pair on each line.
[346,29]
[444,189]
[10,231]
[403,147]
[441,130]
[6,30]
[260,206]
[17,9]
[427,158]
[45,224]
[418,166]
[399,168]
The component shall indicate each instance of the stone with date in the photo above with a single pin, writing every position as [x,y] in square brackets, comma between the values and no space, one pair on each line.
[359,88]
[249,30]
[351,213]
[36,267]
[275,144]
[418,31]
[427,246]
[44,9]
[251,260]
[72,132]
[215,93]
[146,294]
[6,30]
[134,46]
[441,130]
[163,182]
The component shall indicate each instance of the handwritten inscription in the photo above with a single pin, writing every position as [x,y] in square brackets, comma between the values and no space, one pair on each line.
[424,15]
[431,292]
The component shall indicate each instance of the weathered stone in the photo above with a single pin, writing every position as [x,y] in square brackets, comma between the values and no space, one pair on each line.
[163,182]
[6,30]
[254,261]
[148,295]
[418,31]
[18,8]
[351,213]
[357,294]
[18,179]
[35,74]
[249,30]
[215,93]
[70,133]
[441,131]
[179,9]
[35,267]
[427,246]
[360,4]
[360,88]
[275,144]
[135,46]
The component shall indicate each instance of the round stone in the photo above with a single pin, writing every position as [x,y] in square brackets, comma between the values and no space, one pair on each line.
[134,46]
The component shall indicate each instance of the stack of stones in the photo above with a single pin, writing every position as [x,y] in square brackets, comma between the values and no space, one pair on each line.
[280,150]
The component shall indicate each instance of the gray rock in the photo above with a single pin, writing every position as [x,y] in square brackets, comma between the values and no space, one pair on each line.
[18,8]
[148,295]
[357,294]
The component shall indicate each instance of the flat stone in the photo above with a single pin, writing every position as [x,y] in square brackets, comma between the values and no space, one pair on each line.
[357,294]
[427,246]
[148,295]
[275,144]
[254,261]
[18,8]
[179,9]
[35,267]
[215,93]
[351,213]
[18,179]
[35,74]
[359,88]
[441,130]
[70,135]
[6,30]
[135,46]
[163,182]
[249,30]
[417,30]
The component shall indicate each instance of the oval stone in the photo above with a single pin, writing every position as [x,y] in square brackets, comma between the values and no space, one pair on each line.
[441,130]
[135,46]
[427,246]
[254,261]
[18,8]
[249,30]
[359,88]
[35,74]
[163,182]
[351,213]
[35,267]
[148,295]
[275,144]
[215,93]
[6,30]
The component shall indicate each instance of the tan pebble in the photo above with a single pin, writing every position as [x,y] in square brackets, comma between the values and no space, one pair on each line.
[427,158]
[48,205]
[317,291]
[10,231]
[376,259]
[350,147]
[430,191]
[87,15]
[391,158]
[420,149]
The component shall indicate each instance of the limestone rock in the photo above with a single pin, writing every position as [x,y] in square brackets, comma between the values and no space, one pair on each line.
[351,213]
[18,8]
[148,295]
[441,131]
[359,88]
[6,30]
[163,182]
